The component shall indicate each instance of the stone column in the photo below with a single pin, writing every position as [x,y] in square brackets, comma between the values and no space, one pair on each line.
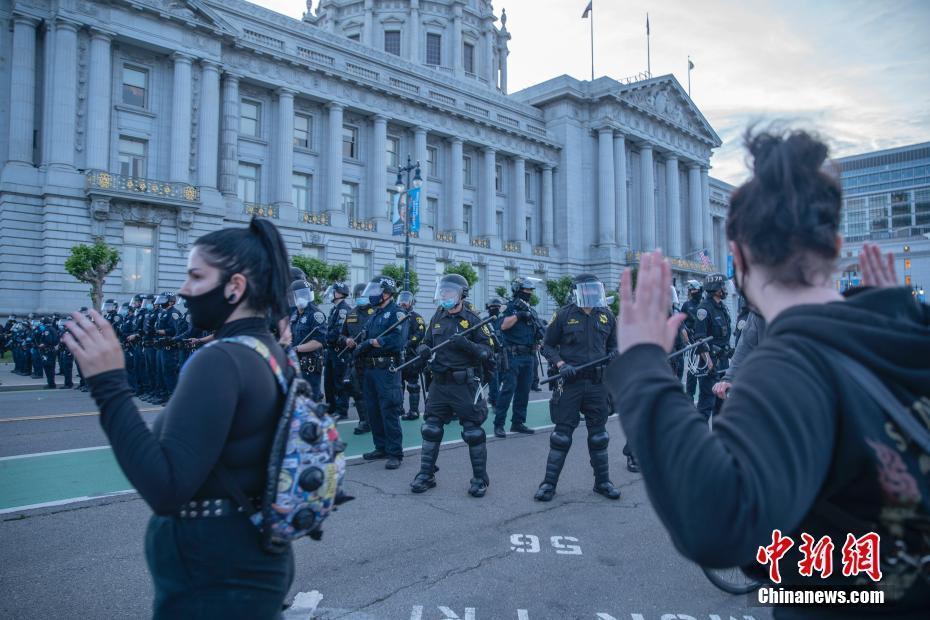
[208,125]
[456,212]
[489,72]
[284,148]
[22,89]
[605,191]
[64,95]
[334,159]
[97,154]
[488,196]
[673,206]
[181,119]
[419,152]
[458,65]
[623,205]
[706,222]
[48,70]
[546,212]
[518,201]
[376,206]
[695,212]
[649,197]
[229,164]
[413,40]
[368,34]
[502,54]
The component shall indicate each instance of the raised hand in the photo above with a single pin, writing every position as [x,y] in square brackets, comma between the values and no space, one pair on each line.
[644,312]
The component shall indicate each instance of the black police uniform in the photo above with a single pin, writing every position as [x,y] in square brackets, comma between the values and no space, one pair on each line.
[500,360]
[382,387]
[150,352]
[416,330]
[576,337]
[455,392]
[309,325]
[520,346]
[353,377]
[46,343]
[712,319]
[166,328]
[335,367]
[690,308]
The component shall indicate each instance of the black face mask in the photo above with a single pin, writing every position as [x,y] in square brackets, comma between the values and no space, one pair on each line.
[494,311]
[696,296]
[524,295]
[211,309]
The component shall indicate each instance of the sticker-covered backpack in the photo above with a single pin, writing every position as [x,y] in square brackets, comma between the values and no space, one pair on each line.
[306,465]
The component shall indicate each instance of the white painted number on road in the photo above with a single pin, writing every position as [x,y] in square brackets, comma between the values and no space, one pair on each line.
[447,614]
[563,549]
[524,543]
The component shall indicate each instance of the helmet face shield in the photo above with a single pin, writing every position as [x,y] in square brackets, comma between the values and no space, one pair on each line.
[300,298]
[161,299]
[590,295]
[405,299]
[373,289]
[448,294]
[110,306]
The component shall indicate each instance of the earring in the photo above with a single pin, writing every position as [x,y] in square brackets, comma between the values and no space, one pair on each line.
[231,298]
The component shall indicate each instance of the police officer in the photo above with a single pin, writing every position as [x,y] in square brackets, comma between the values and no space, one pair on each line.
[46,343]
[456,387]
[493,308]
[333,369]
[166,329]
[521,332]
[149,352]
[34,352]
[689,308]
[713,319]
[308,334]
[111,312]
[65,359]
[382,388]
[580,332]
[353,379]
[416,330]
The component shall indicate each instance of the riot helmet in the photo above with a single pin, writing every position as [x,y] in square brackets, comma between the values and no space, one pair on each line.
[376,289]
[148,301]
[715,282]
[589,291]
[360,300]
[124,309]
[137,300]
[522,288]
[494,306]
[406,300]
[110,305]
[297,274]
[451,289]
[340,289]
[300,294]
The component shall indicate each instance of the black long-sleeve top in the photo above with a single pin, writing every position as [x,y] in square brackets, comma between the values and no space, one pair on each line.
[225,407]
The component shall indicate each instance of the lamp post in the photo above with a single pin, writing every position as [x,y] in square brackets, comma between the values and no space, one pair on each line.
[401,188]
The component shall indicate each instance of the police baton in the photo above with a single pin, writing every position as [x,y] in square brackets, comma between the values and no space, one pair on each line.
[444,343]
[305,337]
[561,375]
[384,333]
[689,347]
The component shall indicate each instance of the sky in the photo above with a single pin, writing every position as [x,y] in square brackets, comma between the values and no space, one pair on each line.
[856,71]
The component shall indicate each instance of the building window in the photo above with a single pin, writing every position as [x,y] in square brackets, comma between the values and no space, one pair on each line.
[393,152]
[432,162]
[529,230]
[433,49]
[466,219]
[350,200]
[300,191]
[499,224]
[250,113]
[360,267]
[528,186]
[355,37]
[479,292]
[392,42]
[247,188]
[499,178]
[432,208]
[349,142]
[135,86]
[132,157]
[466,170]
[303,131]
[468,57]
[138,259]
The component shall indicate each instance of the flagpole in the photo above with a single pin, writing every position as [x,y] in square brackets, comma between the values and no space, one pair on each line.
[592,41]
[689,76]
[648,49]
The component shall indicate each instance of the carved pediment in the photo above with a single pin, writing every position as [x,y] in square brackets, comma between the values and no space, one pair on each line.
[666,99]
[193,11]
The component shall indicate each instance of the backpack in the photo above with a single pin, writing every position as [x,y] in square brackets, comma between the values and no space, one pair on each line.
[306,466]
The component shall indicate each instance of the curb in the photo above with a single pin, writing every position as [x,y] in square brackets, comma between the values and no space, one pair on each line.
[20,388]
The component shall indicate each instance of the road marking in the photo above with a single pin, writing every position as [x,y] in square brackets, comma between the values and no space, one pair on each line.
[522,614]
[64,502]
[34,454]
[304,605]
[563,549]
[448,614]
[58,416]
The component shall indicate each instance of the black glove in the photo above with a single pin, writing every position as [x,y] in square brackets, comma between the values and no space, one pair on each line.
[526,315]
[423,352]
[341,342]
[362,347]
[567,370]
[461,342]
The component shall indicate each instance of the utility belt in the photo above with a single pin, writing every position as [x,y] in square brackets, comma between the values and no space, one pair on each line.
[593,374]
[310,362]
[209,508]
[455,377]
[148,344]
[381,362]
[521,349]
[166,345]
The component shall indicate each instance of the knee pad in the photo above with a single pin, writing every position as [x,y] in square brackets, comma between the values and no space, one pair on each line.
[598,440]
[473,436]
[431,431]
[560,440]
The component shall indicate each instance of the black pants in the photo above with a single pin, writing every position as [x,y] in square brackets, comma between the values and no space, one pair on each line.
[448,400]
[214,568]
[578,397]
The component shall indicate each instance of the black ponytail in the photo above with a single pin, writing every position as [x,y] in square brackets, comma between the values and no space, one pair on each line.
[259,253]
[788,214]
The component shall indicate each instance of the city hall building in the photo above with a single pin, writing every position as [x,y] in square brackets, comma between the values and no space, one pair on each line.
[147,123]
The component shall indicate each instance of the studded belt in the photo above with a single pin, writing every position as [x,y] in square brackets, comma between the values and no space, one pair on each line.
[203,508]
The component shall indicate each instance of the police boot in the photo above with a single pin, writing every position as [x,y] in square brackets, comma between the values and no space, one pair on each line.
[414,411]
[478,454]
[559,443]
[431,432]
[597,448]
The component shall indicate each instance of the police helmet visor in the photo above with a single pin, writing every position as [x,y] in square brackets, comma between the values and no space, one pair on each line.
[110,306]
[161,299]
[406,299]
[373,289]
[590,295]
[448,293]
[329,294]
[300,298]
[124,311]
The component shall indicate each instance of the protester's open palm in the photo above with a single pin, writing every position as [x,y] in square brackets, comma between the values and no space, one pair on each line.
[94,344]
[644,312]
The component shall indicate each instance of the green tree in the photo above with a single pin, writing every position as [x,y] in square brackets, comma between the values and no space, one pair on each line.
[320,274]
[397,273]
[463,269]
[560,290]
[92,264]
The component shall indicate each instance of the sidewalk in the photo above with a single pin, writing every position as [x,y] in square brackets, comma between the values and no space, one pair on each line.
[14,383]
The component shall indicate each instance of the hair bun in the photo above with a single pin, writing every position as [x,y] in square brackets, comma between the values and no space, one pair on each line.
[784,161]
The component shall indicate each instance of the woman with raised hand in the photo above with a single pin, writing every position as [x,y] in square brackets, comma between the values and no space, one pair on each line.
[204,554]
[803,444]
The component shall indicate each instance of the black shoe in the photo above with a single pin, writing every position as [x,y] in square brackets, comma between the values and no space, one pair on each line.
[545,492]
[375,455]
[422,483]
[393,462]
[410,416]
[361,429]
[631,465]
[521,428]
[535,388]
[479,486]
[499,432]
[607,489]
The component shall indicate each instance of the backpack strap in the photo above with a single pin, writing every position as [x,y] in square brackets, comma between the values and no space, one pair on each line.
[259,347]
[886,401]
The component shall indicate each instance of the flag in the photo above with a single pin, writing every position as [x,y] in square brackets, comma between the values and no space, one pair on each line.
[588,10]
[647,24]
[705,259]
[690,65]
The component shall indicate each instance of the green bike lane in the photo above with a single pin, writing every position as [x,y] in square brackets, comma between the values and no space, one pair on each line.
[54,478]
